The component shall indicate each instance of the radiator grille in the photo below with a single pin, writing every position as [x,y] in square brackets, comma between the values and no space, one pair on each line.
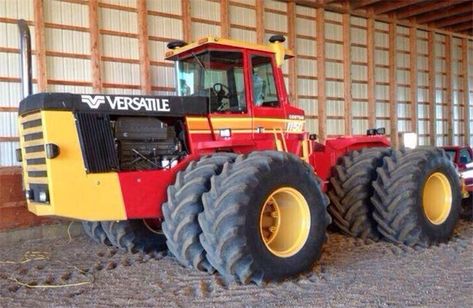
[34,156]
[97,142]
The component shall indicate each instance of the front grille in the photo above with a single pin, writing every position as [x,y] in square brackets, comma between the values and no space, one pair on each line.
[34,156]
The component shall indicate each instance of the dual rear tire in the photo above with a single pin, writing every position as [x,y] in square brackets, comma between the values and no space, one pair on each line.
[409,197]
[261,217]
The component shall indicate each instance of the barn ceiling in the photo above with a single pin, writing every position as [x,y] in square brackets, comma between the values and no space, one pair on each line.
[450,15]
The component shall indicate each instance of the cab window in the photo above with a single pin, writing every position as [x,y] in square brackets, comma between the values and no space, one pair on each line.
[216,74]
[264,88]
[465,156]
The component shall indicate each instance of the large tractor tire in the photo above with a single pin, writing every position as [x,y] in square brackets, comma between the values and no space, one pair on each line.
[416,199]
[351,191]
[184,204]
[95,231]
[467,208]
[134,236]
[265,218]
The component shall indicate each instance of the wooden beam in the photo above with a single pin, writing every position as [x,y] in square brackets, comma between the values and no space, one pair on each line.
[95,53]
[347,74]
[413,76]
[40,46]
[393,85]
[454,20]
[438,15]
[371,73]
[224,19]
[321,99]
[426,8]
[466,90]
[389,6]
[291,29]
[463,27]
[432,94]
[260,21]
[186,20]
[145,65]
[357,4]
[448,77]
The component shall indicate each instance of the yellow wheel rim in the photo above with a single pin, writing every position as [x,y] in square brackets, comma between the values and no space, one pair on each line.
[437,198]
[285,222]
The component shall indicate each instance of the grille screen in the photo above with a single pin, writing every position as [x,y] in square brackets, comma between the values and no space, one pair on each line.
[97,143]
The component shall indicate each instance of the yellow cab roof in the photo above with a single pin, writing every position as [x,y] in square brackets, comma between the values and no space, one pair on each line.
[276,48]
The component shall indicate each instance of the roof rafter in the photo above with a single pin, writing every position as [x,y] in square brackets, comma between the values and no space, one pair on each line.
[457,10]
[357,4]
[390,6]
[427,8]
[463,27]
[454,20]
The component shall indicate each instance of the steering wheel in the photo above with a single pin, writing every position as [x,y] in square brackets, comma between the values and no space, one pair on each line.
[222,90]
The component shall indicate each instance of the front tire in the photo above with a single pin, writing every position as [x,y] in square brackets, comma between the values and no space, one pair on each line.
[416,199]
[95,231]
[242,236]
[184,204]
[134,236]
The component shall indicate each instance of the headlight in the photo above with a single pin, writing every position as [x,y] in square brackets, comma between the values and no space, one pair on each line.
[408,140]
[43,196]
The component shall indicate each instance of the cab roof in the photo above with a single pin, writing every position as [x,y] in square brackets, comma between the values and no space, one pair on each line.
[276,48]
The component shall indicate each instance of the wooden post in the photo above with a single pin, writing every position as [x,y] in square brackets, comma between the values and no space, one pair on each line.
[321,75]
[448,64]
[145,65]
[40,46]
[291,21]
[432,91]
[393,85]
[413,76]
[186,20]
[224,19]
[466,90]
[347,74]
[95,46]
[371,72]
[260,21]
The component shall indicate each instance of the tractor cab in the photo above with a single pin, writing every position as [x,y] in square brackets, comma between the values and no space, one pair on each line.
[236,76]
[244,84]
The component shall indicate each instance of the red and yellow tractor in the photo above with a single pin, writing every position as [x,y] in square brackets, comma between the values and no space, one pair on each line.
[224,173]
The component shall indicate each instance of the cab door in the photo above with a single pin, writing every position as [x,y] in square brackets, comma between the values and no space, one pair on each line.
[267,98]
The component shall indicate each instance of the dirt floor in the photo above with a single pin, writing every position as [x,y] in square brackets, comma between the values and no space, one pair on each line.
[350,273]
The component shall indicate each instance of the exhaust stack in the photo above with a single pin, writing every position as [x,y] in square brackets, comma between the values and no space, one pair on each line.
[25,58]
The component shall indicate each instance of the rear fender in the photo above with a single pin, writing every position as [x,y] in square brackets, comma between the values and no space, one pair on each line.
[324,157]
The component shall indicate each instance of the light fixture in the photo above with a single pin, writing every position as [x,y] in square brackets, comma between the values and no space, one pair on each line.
[52,150]
[408,140]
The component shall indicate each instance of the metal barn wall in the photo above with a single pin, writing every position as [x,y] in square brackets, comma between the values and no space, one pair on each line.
[350,72]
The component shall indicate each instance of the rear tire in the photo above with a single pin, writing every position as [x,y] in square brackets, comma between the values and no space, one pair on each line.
[351,191]
[467,208]
[416,199]
[95,231]
[184,204]
[134,236]
[236,235]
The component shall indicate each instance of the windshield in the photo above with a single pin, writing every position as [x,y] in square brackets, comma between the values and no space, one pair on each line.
[216,74]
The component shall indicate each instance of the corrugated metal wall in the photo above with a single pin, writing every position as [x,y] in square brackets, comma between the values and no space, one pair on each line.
[68,60]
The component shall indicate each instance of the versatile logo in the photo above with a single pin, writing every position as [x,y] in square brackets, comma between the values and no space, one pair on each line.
[94,102]
[135,103]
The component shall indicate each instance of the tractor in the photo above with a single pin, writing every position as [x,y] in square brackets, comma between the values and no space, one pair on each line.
[224,173]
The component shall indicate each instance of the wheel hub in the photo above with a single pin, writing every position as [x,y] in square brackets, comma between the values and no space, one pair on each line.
[437,198]
[285,222]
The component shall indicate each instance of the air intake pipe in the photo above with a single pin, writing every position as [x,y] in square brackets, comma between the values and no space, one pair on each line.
[25,58]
